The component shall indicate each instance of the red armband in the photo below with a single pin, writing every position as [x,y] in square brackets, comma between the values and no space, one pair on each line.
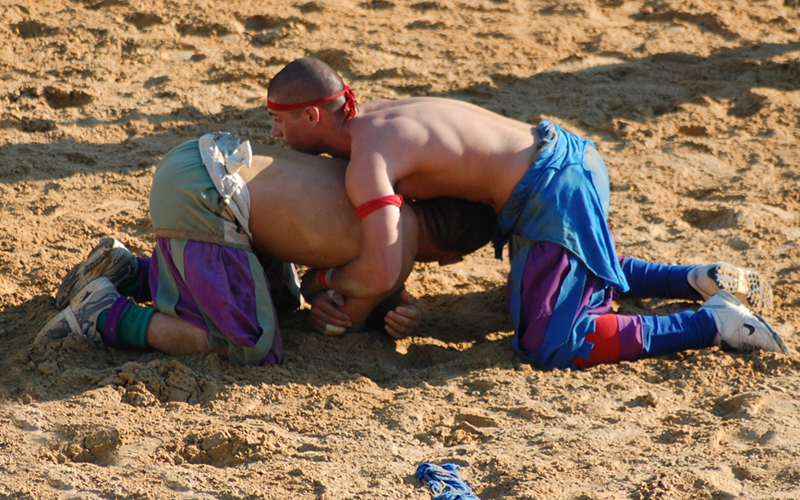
[378,203]
[323,278]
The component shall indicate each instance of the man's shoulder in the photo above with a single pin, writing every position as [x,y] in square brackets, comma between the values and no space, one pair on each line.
[406,102]
[383,132]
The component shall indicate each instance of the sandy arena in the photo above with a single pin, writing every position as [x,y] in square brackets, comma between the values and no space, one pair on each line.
[695,107]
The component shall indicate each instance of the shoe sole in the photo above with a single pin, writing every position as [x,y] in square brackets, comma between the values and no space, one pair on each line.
[69,286]
[69,318]
[43,337]
[744,284]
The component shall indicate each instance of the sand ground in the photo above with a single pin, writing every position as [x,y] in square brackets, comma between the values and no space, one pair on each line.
[695,106]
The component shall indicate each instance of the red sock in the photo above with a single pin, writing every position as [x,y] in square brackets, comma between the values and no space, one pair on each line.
[606,343]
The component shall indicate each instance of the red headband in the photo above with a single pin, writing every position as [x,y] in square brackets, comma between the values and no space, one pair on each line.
[349,104]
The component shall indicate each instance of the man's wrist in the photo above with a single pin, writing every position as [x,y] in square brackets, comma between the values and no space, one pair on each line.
[324,278]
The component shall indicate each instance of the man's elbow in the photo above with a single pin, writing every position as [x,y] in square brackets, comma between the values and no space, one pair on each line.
[381,282]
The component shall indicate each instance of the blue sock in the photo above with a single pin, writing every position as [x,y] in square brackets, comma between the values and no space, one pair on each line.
[662,281]
[677,332]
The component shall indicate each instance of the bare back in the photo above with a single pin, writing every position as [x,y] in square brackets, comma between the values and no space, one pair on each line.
[299,210]
[442,147]
[420,148]
[300,213]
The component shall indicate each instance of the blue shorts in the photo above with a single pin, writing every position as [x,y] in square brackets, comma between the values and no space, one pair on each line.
[562,201]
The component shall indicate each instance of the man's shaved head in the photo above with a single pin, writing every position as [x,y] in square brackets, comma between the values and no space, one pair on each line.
[304,80]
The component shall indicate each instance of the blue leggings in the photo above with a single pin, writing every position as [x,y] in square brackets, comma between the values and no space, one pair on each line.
[659,334]
[649,280]
[676,332]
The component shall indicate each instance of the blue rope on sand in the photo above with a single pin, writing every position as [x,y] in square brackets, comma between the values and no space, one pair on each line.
[445,482]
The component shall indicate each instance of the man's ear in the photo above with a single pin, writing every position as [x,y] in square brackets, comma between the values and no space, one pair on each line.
[311,115]
[450,258]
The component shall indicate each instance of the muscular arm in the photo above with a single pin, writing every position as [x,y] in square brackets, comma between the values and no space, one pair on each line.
[377,268]
[359,308]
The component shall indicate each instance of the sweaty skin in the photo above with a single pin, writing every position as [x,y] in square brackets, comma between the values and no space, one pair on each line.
[420,148]
[432,147]
[300,212]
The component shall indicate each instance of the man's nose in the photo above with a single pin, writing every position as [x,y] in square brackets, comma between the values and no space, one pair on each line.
[276,131]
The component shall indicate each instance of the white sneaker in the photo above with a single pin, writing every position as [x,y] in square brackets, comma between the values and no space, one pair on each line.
[80,316]
[747,285]
[739,328]
[109,258]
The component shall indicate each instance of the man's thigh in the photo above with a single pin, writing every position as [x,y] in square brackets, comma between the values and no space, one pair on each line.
[221,289]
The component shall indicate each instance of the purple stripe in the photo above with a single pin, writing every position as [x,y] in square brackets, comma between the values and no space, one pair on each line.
[186,308]
[152,273]
[545,269]
[143,294]
[630,337]
[223,287]
[112,321]
[219,282]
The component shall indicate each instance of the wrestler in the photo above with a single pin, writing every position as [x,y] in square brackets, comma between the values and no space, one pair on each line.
[217,275]
[550,190]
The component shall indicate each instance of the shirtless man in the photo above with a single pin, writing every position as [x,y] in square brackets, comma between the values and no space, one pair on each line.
[217,279]
[550,189]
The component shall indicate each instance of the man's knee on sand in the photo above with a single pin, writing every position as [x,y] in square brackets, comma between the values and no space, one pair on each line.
[225,290]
